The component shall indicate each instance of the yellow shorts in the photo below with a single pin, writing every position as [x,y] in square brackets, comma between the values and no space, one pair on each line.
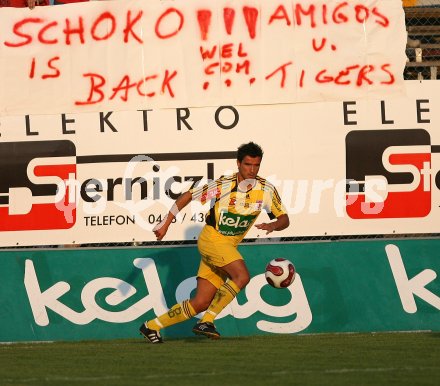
[216,251]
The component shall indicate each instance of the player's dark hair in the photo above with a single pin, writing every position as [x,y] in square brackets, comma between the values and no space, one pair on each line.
[251,149]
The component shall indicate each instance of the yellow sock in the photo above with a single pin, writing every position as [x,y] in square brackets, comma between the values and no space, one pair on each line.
[176,314]
[224,295]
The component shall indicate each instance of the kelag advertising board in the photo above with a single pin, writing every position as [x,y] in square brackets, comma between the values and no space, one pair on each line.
[72,294]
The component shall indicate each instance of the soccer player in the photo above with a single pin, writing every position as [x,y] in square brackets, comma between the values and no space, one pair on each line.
[236,201]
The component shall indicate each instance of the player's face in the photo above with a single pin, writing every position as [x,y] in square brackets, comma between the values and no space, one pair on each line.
[248,168]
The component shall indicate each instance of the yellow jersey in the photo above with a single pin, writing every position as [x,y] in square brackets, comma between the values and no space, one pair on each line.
[234,206]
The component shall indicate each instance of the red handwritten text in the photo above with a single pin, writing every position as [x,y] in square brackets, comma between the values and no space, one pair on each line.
[171,21]
[342,13]
[145,87]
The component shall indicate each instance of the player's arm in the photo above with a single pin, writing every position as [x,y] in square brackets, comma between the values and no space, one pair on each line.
[276,210]
[161,229]
[282,222]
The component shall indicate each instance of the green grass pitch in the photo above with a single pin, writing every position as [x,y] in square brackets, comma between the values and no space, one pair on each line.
[321,359]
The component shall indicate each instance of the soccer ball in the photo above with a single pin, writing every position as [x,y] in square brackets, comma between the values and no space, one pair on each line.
[280,273]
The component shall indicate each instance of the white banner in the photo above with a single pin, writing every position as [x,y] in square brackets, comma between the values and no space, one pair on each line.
[388,150]
[136,54]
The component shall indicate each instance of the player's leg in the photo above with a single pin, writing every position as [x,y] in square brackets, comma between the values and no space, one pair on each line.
[227,260]
[238,273]
[238,279]
[208,280]
[205,292]
[176,314]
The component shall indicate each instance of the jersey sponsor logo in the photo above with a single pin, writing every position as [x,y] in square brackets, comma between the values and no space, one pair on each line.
[388,173]
[31,174]
[241,203]
[231,224]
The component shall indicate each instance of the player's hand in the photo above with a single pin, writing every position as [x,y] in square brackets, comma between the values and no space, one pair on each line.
[266,226]
[160,230]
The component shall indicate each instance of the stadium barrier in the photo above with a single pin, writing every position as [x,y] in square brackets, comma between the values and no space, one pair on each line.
[357,286]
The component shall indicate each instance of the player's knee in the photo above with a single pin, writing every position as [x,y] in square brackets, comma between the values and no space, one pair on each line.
[242,280]
[200,305]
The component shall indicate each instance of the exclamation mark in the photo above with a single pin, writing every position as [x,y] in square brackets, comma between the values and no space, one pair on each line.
[301,79]
[250,16]
[204,19]
[32,71]
[228,17]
